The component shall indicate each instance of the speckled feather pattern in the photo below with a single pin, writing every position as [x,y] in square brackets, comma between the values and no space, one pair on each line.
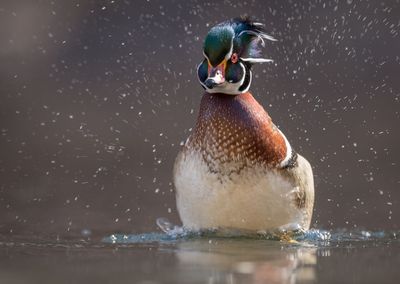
[236,128]
[228,173]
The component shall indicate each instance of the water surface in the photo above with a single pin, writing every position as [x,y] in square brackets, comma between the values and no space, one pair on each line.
[346,257]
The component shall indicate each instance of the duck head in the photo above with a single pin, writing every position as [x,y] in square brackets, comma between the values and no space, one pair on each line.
[230,49]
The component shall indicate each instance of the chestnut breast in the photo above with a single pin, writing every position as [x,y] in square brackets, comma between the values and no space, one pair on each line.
[236,129]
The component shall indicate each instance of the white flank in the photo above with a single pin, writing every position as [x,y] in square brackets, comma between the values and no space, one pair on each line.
[256,199]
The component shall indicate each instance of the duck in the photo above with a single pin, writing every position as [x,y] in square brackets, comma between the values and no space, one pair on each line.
[237,170]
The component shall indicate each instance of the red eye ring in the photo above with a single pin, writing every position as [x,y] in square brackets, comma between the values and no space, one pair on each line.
[234,57]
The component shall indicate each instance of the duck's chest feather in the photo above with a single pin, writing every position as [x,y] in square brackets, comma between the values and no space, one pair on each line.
[236,129]
[233,170]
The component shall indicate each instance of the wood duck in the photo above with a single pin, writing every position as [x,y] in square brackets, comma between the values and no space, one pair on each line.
[237,170]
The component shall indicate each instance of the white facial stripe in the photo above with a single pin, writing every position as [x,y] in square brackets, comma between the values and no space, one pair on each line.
[198,78]
[256,60]
[244,74]
[255,34]
[258,34]
[289,151]
[266,36]
[205,55]
[248,86]
[231,88]
[229,54]
[224,86]
[218,79]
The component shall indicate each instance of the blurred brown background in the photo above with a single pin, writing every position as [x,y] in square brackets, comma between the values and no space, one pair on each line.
[96,96]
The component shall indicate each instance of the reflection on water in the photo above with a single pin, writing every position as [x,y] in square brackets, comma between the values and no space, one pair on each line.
[246,261]
[187,261]
[355,257]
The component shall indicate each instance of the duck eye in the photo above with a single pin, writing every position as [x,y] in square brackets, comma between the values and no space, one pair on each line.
[234,57]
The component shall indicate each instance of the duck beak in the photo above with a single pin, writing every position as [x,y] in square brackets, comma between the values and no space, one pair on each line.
[216,75]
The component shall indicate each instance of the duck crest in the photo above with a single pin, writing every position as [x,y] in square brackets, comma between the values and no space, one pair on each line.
[236,130]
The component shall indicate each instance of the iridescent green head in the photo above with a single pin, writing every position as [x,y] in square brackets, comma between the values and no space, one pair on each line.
[230,49]
[218,44]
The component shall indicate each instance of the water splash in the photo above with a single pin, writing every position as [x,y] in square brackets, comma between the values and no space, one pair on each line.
[169,228]
[317,237]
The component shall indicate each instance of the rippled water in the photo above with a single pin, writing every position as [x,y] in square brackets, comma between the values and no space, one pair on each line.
[179,256]
[315,237]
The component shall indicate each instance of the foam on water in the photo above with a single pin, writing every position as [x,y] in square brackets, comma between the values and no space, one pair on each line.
[174,233]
